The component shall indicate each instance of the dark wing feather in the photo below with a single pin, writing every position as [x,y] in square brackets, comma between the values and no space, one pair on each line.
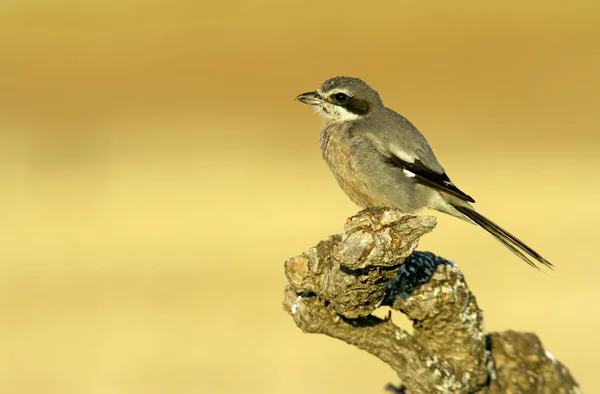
[430,178]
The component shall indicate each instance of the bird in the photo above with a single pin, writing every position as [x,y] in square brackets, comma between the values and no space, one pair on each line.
[380,159]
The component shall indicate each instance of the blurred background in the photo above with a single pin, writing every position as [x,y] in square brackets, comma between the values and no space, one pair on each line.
[156,173]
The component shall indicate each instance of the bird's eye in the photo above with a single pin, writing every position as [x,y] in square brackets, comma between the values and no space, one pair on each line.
[340,97]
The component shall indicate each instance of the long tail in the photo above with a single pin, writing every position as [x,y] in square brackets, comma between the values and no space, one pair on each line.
[515,245]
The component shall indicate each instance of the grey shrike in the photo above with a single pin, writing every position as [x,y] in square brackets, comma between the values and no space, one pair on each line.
[380,159]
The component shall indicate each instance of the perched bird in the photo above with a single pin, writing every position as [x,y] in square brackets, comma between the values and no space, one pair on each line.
[379,158]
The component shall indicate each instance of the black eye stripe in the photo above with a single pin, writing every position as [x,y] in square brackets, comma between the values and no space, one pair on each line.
[352,104]
[357,106]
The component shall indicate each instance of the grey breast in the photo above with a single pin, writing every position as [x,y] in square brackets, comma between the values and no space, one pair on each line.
[362,172]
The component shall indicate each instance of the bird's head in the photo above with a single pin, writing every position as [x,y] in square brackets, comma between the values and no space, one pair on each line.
[343,99]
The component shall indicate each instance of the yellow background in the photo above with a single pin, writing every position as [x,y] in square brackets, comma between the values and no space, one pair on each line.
[155,173]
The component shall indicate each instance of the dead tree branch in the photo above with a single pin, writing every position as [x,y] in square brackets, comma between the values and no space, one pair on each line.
[335,286]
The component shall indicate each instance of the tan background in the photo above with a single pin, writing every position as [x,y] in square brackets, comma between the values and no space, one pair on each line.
[155,174]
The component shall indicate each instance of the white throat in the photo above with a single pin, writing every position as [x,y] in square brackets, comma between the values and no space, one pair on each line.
[335,113]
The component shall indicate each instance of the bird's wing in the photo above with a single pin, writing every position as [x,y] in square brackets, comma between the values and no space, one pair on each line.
[424,175]
[405,147]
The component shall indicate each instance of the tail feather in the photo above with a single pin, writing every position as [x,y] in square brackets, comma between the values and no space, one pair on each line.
[514,244]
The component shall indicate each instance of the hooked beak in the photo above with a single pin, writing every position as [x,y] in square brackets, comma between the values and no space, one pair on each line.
[310,98]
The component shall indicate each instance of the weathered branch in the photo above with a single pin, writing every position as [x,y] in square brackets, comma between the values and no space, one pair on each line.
[335,286]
